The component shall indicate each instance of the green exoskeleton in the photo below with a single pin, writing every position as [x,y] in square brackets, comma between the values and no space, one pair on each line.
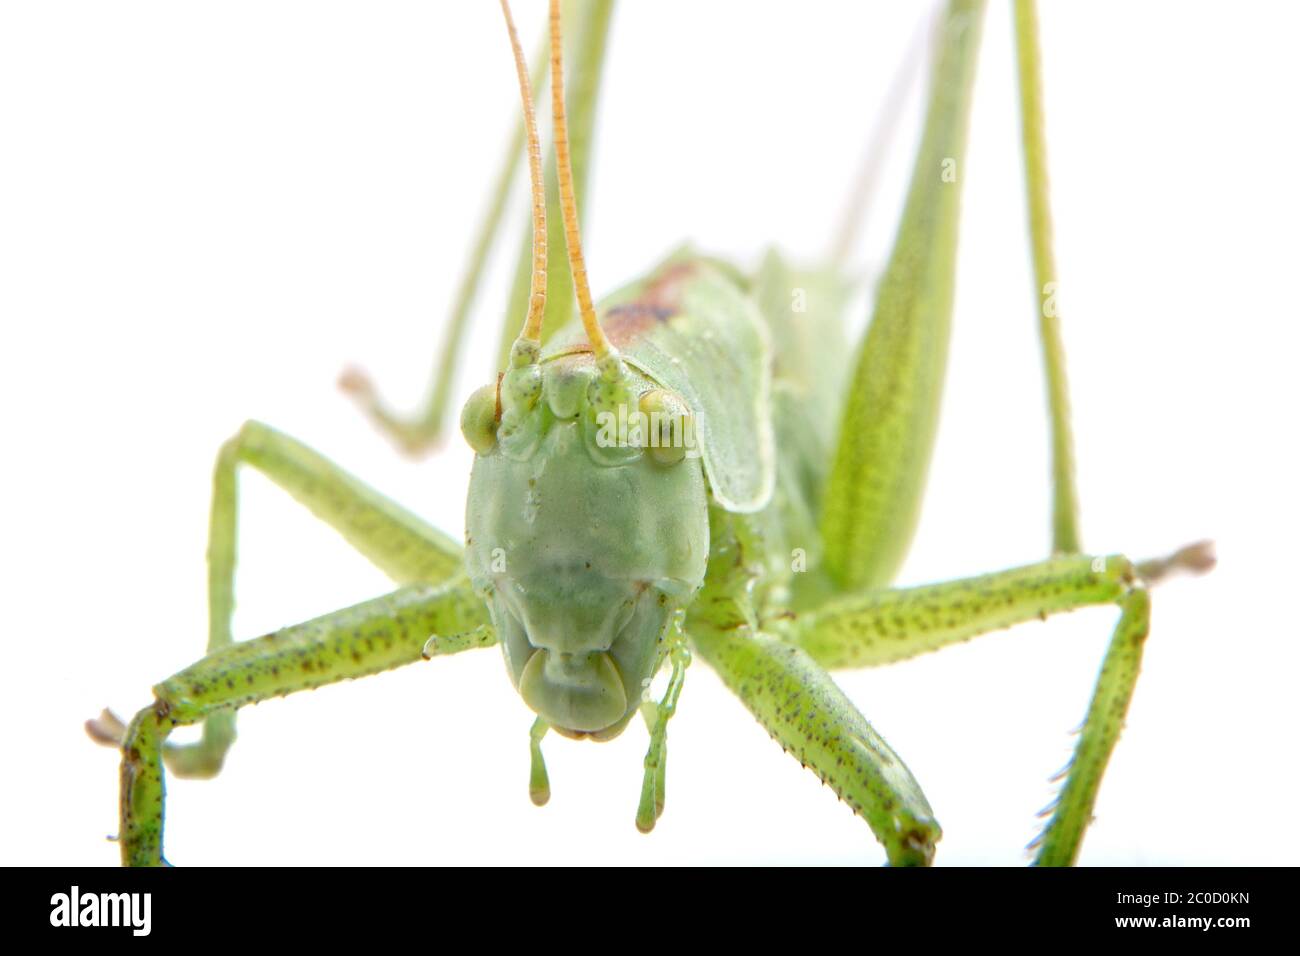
[645,469]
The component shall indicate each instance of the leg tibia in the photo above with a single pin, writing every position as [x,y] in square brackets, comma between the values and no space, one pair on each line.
[377,635]
[1059,842]
[806,713]
[880,627]
[141,793]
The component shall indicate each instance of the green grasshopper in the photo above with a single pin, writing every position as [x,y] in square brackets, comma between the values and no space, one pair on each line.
[693,467]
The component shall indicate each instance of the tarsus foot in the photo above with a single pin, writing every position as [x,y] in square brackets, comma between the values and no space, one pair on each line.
[1194,559]
[416,437]
[106,729]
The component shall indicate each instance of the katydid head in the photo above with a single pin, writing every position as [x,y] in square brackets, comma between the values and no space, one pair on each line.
[585,540]
[585,543]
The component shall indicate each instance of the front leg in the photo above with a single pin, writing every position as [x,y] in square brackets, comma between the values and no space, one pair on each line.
[1058,844]
[811,718]
[405,547]
[377,635]
[885,626]
[798,702]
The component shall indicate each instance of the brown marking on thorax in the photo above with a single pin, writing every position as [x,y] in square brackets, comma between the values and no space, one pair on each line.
[658,302]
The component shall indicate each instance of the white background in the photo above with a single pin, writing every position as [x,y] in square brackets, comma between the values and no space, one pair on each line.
[206,210]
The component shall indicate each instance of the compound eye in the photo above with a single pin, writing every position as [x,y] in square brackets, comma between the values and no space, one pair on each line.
[479,419]
[670,428]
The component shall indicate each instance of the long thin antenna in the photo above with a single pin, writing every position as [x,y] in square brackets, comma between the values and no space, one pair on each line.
[532,330]
[600,345]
